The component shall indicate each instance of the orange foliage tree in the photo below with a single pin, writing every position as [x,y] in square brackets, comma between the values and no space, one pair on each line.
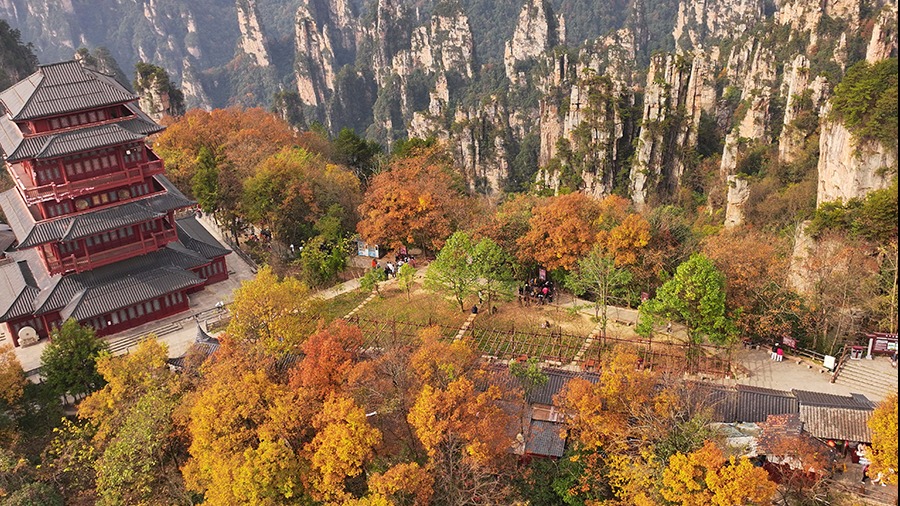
[244,137]
[419,202]
[329,355]
[561,231]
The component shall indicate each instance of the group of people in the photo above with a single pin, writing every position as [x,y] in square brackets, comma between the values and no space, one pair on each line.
[777,353]
[536,290]
[390,268]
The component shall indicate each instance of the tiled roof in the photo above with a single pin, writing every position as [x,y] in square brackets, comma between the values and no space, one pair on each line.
[32,232]
[807,398]
[103,289]
[556,380]
[544,439]
[60,88]
[195,236]
[139,286]
[745,403]
[17,289]
[826,422]
[75,141]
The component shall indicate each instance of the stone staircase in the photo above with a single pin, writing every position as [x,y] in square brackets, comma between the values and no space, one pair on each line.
[874,378]
[122,345]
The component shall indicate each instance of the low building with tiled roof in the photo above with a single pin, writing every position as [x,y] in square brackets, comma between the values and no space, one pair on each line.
[93,216]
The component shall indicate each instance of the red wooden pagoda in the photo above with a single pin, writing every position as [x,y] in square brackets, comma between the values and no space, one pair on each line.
[93,217]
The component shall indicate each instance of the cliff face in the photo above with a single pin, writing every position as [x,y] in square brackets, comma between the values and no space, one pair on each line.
[849,168]
[735,79]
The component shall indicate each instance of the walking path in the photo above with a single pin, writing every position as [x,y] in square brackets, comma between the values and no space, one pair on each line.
[465,326]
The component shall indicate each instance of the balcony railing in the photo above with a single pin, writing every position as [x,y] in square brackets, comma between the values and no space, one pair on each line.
[73,189]
[90,261]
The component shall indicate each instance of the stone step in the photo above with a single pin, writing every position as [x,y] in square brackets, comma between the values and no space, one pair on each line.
[123,344]
[860,373]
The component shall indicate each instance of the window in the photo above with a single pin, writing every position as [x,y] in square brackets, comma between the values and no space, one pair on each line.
[166,301]
[156,305]
[140,310]
[123,316]
[92,116]
[54,123]
[115,319]
[131,313]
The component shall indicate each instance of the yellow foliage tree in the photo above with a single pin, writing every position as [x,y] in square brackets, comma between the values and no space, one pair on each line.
[238,421]
[12,377]
[705,477]
[128,378]
[884,440]
[406,483]
[273,313]
[343,443]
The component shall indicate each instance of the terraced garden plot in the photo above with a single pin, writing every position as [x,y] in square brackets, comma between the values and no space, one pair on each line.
[507,344]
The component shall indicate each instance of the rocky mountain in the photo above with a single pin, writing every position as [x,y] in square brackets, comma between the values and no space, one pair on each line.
[562,94]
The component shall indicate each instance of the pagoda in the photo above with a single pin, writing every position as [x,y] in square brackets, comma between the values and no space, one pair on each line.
[96,232]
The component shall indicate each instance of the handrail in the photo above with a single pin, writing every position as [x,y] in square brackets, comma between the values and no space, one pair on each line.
[841,361]
[75,188]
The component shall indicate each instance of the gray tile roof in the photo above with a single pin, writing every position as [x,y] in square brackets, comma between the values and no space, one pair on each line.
[74,141]
[138,286]
[544,439]
[856,401]
[32,232]
[195,236]
[825,422]
[60,88]
[17,288]
[556,380]
[746,403]
[97,291]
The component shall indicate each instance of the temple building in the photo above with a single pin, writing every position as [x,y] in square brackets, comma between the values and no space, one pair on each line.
[95,231]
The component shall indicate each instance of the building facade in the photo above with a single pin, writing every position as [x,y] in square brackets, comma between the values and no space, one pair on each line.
[100,234]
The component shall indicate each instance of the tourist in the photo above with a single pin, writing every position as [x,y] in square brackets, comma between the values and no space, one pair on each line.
[774,353]
[780,354]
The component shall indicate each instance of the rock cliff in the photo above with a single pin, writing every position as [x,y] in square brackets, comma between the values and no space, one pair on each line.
[849,168]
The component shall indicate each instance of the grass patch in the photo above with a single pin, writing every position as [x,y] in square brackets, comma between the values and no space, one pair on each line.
[339,306]
[423,307]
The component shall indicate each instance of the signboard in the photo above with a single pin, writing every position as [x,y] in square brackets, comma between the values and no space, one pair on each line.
[883,344]
[789,341]
[829,362]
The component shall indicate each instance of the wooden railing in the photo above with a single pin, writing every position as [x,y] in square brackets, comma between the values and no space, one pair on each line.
[93,260]
[845,352]
[72,189]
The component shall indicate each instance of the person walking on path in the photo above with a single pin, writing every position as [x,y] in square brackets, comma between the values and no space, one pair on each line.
[780,354]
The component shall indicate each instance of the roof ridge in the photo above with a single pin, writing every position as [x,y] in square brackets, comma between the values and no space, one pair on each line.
[31,96]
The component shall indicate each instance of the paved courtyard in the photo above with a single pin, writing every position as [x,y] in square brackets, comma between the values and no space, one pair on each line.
[794,373]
